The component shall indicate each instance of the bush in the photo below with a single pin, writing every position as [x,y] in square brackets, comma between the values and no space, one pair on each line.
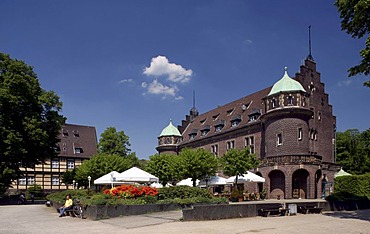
[131,191]
[182,192]
[356,186]
[345,196]
[182,195]
[75,194]
[36,190]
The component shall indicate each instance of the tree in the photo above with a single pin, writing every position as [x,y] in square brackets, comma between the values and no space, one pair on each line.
[353,151]
[113,142]
[197,164]
[237,162]
[100,165]
[356,22]
[164,166]
[69,176]
[29,120]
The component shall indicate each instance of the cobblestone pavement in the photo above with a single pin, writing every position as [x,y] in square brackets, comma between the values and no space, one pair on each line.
[39,219]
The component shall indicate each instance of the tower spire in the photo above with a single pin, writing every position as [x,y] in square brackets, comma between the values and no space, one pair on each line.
[309,44]
[193,112]
[193,98]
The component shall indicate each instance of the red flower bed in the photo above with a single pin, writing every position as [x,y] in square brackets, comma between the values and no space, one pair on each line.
[131,191]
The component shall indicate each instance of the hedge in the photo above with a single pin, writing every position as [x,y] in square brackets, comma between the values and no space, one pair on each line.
[356,187]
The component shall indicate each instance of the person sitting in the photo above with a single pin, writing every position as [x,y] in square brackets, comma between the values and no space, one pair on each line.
[67,205]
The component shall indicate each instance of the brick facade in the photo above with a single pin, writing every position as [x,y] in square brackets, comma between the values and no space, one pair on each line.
[292,132]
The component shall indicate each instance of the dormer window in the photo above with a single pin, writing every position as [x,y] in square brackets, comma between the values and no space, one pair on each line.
[215,117]
[205,130]
[235,123]
[254,115]
[65,133]
[78,150]
[218,128]
[229,112]
[235,120]
[76,134]
[203,121]
[192,134]
[219,125]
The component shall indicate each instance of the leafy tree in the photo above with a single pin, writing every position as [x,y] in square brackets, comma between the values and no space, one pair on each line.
[237,162]
[164,166]
[197,164]
[100,165]
[36,190]
[355,16]
[142,163]
[113,142]
[69,176]
[29,120]
[353,151]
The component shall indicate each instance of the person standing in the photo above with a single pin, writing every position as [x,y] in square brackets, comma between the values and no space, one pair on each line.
[67,205]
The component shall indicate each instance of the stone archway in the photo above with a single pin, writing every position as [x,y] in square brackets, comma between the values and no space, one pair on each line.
[300,184]
[277,184]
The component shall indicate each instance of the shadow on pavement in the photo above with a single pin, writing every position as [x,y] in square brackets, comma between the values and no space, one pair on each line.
[354,214]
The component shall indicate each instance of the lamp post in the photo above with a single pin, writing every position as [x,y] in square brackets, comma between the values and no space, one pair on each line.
[111,177]
[73,181]
[89,179]
[76,185]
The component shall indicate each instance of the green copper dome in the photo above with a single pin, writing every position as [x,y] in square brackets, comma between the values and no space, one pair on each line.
[286,84]
[170,130]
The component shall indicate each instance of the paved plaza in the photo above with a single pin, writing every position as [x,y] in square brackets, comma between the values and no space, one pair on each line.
[39,219]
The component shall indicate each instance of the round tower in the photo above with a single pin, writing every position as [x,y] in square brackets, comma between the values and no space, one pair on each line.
[169,139]
[286,119]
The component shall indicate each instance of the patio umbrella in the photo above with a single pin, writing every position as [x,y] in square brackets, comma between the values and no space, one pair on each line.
[135,174]
[188,182]
[213,180]
[341,172]
[159,185]
[110,178]
[248,177]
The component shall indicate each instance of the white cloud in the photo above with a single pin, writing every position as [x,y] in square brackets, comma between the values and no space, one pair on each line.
[126,81]
[344,82]
[157,88]
[247,42]
[160,66]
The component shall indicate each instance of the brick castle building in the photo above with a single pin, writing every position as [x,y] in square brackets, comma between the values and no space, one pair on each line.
[289,126]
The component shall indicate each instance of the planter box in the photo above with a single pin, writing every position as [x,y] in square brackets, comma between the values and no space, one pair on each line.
[103,212]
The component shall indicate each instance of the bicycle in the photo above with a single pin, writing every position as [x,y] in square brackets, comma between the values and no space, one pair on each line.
[77,209]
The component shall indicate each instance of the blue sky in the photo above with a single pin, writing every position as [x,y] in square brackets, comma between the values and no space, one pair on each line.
[134,64]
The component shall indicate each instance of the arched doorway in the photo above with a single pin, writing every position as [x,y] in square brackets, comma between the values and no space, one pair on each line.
[318,175]
[300,184]
[259,185]
[277,184]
